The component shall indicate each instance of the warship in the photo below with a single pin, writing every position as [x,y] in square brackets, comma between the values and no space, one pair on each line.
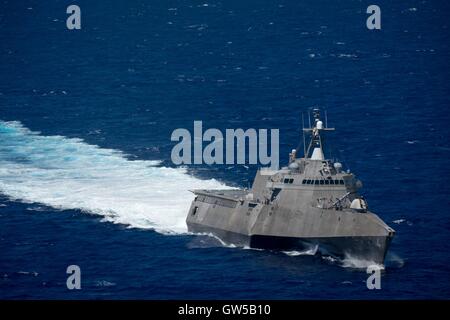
[311,203]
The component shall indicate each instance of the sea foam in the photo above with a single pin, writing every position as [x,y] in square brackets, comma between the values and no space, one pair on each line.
[68,173]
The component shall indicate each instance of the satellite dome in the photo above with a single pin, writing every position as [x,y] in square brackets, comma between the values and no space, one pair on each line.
[359,204]
[293,166]
[338,166]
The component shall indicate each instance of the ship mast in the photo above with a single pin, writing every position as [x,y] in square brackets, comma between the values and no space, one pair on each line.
[315,147]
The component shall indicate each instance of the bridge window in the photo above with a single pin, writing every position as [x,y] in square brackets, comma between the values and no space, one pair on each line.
[304,181]
[322,182]
[341,181]
[327,181]
[316,181]
[291,180]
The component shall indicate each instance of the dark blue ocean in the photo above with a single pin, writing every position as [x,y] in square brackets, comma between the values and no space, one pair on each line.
[86,116]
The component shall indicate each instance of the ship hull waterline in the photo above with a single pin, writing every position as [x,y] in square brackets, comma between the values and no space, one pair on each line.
[364,248]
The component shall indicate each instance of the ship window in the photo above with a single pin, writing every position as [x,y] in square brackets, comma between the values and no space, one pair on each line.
[322,182]
[341,181]
[309,181]
[252,205]
[316,181]
[291,180]
[327,181]
[304,181]
[194,211]
[336,181]
[331,181]
[286,181]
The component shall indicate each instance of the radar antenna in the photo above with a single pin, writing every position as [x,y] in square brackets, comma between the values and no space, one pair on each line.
[315,147]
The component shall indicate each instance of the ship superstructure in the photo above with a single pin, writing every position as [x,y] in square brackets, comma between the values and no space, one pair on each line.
[311,202]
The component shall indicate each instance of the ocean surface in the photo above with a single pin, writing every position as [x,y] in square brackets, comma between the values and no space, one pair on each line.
[86,117]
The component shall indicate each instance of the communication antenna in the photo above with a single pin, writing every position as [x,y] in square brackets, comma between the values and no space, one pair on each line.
[309,118]
[326,119]
[303,132]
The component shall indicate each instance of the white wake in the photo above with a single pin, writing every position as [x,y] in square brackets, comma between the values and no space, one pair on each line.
[68,173]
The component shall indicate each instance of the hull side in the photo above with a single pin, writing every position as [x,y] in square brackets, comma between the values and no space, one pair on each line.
[368,248]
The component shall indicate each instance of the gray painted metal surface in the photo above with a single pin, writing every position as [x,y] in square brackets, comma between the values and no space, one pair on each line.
[309,202]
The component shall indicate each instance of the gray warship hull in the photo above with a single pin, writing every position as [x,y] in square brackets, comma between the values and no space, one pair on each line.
[311,202]
[344,234]
[371,248]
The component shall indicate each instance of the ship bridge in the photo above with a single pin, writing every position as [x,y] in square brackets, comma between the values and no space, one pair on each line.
[314,178]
